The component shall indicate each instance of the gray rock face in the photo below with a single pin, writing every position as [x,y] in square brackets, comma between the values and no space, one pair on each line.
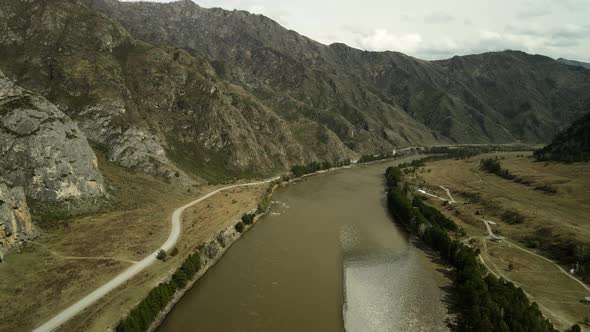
[15,219]
[128,146]
[43,151]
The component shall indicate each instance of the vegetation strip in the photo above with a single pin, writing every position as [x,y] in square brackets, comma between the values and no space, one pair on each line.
[486,303]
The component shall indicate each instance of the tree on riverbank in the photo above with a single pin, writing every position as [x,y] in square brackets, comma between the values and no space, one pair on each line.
[486,302]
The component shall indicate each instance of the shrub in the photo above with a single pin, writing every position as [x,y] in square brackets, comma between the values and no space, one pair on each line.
[240,227]
[174,252]
[161,255]
[491,165]
[142,316]
[248,219]
[512,217]
[547,188]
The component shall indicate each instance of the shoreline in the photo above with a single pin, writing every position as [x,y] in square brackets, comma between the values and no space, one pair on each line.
[230,236]
[209,262]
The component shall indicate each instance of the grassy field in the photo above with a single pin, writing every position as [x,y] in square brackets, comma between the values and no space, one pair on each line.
[553,225]
[78,254]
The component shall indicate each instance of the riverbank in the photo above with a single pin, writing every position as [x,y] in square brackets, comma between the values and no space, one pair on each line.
[212,250]
[553,222]
[288,274]
[485,302]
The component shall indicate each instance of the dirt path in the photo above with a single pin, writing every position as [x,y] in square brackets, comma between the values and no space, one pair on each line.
[100,258]
[452,200]
[175,231]
[498,274]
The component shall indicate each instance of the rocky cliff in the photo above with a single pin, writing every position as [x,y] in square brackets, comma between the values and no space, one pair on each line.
[15,218]
[44,158]
[42,150]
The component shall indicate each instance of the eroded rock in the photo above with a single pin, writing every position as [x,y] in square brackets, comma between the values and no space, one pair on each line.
[15,219]
[43,151]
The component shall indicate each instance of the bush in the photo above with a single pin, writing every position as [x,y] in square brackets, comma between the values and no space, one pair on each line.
[240,227]
[533,244]
[143,315]
[161,255]
[248,219]
[512,217]
[174,252]
[547,188]
[576,328]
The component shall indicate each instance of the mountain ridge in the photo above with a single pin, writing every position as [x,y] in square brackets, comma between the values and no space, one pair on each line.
[574,63]
[199,95]
[401,84]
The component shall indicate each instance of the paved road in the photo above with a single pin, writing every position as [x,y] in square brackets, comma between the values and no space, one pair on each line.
[175,231]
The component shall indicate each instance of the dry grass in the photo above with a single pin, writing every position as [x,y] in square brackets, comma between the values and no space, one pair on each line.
[564,214]
[77,255]
[544,282]
[560,217]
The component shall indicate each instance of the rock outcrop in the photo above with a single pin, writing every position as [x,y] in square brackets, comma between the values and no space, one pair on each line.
[43,151]
[15,218]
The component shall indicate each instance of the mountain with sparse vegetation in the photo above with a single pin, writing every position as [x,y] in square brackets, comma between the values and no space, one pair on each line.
[193,94]
[571,145]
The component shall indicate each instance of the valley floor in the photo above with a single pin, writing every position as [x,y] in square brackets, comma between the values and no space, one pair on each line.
[77,255]
[551,222]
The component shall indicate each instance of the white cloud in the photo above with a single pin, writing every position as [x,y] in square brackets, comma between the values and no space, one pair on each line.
[435,29]
[383,40]
[439,17]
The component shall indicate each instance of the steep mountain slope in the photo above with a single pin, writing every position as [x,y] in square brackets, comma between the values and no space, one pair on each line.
[570,145]
[293,75]
[156,109]
[177,90]
[366,97]
[574,63]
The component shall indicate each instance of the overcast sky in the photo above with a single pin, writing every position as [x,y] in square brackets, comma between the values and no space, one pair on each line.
[434,29]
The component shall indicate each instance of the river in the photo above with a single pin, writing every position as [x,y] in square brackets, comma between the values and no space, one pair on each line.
[326,258]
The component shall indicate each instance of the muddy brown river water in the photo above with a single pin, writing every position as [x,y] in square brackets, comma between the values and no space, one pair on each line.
[326,258]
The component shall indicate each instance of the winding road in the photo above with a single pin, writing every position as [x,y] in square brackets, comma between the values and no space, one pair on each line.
[175,231]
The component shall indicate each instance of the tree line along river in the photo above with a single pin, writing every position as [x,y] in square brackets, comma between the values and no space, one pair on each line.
[326,258]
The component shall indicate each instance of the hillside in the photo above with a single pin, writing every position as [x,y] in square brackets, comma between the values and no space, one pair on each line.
[44,159]
[571,145]
[198,95]
[369,99]
[155,109]
[574,63]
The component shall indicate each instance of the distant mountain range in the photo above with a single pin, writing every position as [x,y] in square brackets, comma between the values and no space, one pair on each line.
[180,91]
[574,63]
